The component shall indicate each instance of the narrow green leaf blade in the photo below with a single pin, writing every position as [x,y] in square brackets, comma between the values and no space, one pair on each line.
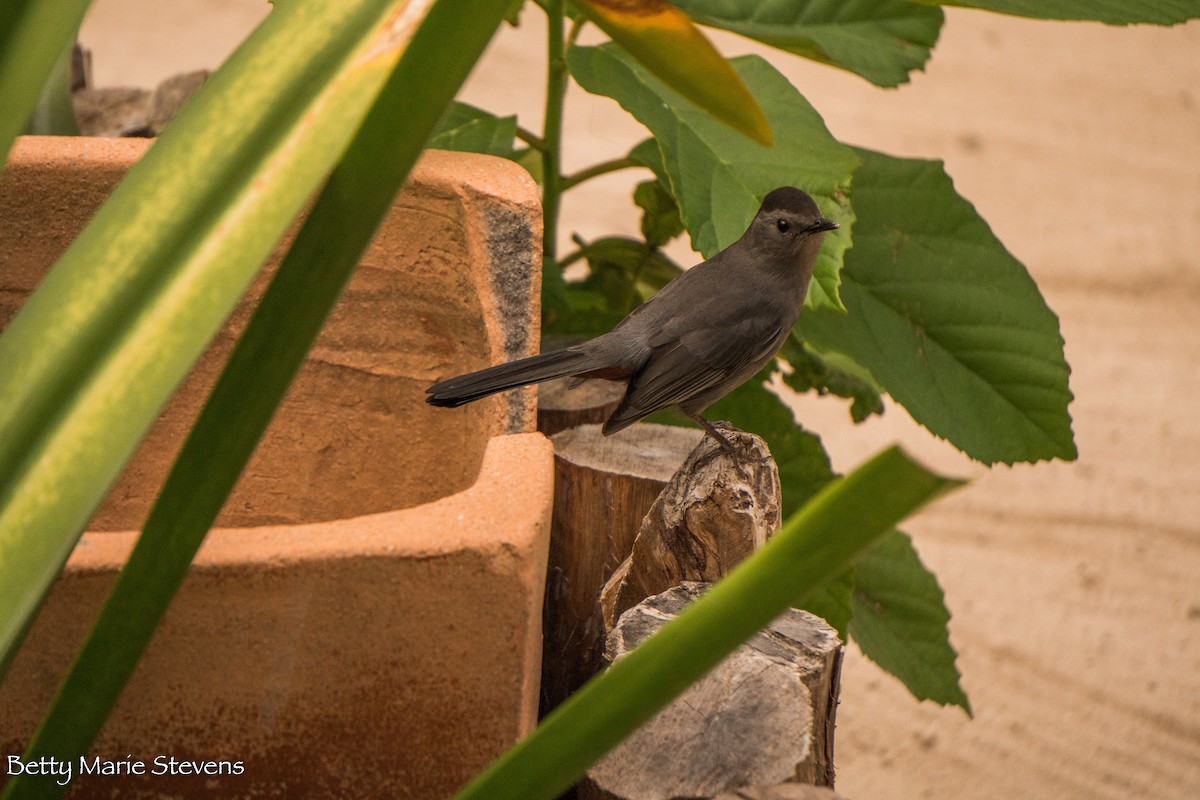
[1114,12]
[880,40]
[95,352]
[719,177]
[33,36]
[815,545]
[900,621]
[287,320]
[946,320]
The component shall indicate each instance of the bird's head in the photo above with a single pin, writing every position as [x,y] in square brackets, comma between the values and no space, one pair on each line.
[789,226]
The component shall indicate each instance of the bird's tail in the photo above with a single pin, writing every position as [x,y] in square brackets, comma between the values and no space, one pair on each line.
[535,369]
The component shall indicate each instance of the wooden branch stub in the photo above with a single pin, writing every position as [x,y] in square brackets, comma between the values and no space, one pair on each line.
[761,717]
[715,512]
[603,487]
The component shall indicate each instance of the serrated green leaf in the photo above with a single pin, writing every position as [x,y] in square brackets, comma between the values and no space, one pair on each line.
[880,40]
[668,44]
[947,320]
[811,371]
[660,213]
[900,621]
[473,130]
[720,178]
[1114,12]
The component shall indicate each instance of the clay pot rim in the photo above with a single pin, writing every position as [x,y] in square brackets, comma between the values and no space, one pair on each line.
[460,521]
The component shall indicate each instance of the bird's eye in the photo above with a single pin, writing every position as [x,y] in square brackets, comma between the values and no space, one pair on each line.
[782,225]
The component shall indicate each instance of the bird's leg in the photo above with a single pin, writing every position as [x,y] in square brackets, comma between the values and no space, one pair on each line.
[711,430]
[738,457]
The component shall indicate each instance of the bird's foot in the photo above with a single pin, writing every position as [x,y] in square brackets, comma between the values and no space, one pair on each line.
[740,456]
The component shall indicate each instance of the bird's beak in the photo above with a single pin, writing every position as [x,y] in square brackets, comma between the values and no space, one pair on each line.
[825,225]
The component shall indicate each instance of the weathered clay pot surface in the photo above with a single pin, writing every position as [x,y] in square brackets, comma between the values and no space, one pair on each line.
[366,619]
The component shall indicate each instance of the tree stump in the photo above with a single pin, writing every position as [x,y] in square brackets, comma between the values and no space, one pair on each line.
[561,407]
[764,716]
[589,403]
[603,487]
[715,512]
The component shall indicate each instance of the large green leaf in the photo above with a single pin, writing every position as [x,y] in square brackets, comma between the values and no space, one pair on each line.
[946,320]
[900,621]
[1114,12]
[666,41]
[834,374]
[96,351]
[815,545]
[357,195]
[473,130]
[33,36]
[719,177]
[881,40]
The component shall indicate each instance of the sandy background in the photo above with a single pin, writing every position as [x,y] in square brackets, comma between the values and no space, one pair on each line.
[1075,587]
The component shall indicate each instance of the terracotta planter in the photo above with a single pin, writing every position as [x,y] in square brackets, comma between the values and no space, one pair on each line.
[366,619]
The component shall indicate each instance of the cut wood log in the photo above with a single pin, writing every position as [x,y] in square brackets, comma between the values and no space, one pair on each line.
[603,487]
[764,716]
[561,407]
[589,403]
[716,510]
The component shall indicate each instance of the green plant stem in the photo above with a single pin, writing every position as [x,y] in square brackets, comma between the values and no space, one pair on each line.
[530,138]
[556,90]
[596,170]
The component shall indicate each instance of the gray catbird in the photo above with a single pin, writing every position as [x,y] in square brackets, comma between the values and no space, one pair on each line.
[703,335]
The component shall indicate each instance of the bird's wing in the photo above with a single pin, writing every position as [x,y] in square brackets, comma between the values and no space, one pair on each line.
[694,363]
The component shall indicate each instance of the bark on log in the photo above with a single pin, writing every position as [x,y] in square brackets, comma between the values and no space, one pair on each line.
[764,716]
[714,513]
[603,487]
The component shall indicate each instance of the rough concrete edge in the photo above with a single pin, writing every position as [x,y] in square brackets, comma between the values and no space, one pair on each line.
[507,252]
[28,151]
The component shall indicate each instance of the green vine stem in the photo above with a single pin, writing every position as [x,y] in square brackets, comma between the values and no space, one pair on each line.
[596,170]
[556,90]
